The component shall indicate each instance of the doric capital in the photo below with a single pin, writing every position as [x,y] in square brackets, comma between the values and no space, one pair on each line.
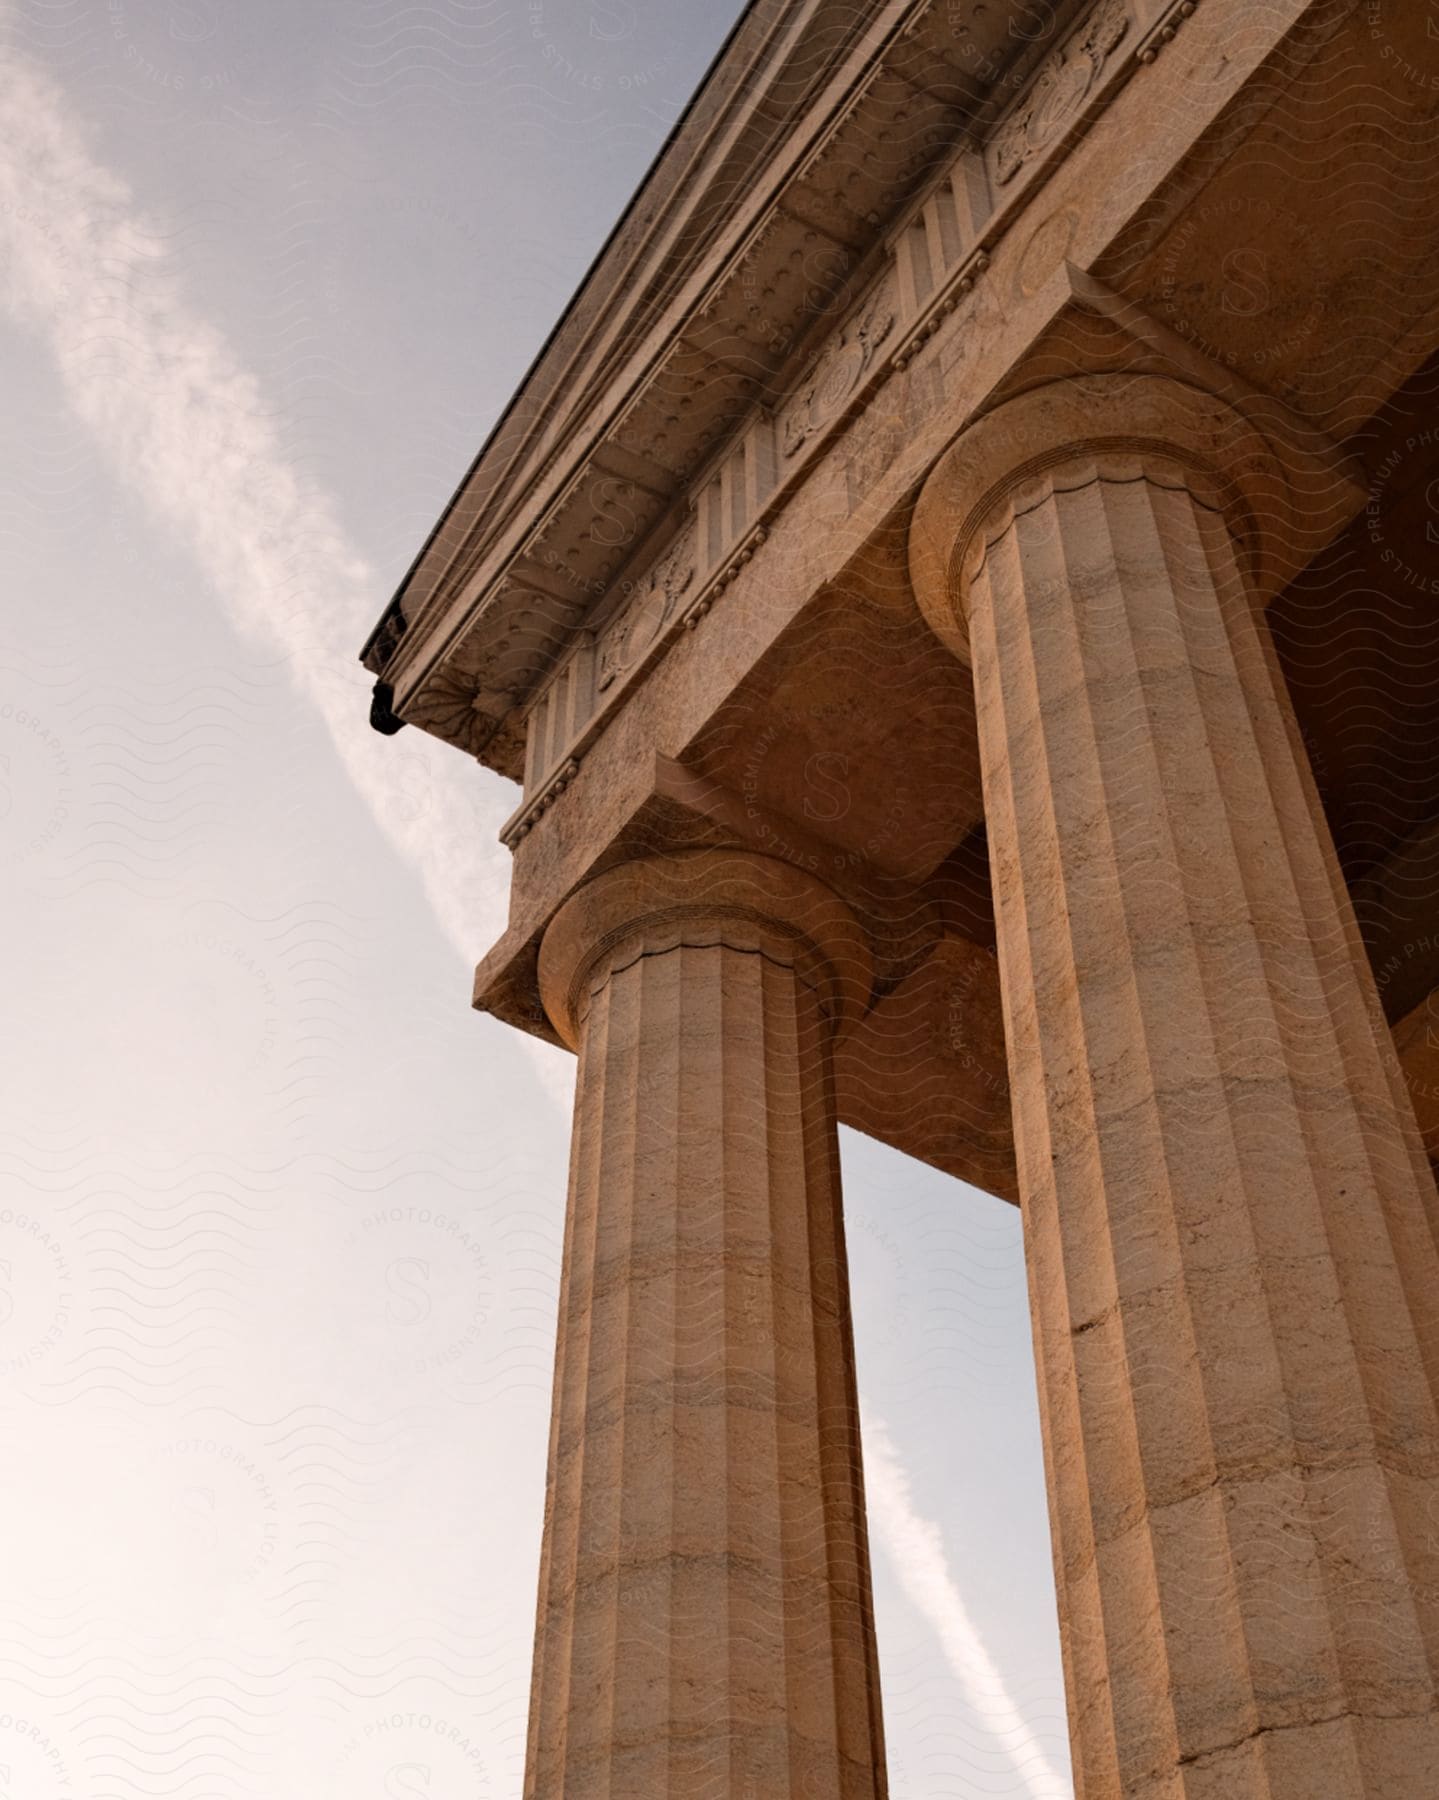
[697,898]
[1086,428]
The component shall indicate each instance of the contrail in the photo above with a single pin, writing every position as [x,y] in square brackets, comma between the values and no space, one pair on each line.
[186,426]
[915,1547]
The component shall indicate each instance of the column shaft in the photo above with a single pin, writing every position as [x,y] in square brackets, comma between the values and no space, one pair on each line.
[1229,1221]
[704,1617]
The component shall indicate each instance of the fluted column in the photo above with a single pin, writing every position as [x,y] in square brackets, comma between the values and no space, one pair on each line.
[704,1621]
[1229,1223]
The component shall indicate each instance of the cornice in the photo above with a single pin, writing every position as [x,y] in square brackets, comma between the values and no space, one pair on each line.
[671,221]
[600,497]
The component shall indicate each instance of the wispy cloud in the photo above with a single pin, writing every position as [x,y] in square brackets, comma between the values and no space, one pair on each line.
[188,428]
[915,1548]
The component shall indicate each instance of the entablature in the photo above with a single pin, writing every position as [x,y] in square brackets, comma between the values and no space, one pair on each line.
[874,220]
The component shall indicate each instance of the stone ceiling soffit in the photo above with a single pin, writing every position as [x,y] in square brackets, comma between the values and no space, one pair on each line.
[616,460]
[814,212]
[517,634]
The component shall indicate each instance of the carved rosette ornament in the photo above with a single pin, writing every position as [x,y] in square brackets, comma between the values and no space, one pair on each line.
[652,606]
[1060,89]
[447,705]
[843,364]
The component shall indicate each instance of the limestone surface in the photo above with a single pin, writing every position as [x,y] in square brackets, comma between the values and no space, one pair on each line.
[1229,1217]
[705,1622]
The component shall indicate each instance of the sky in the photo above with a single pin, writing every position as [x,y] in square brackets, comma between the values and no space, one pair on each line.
[280,1216]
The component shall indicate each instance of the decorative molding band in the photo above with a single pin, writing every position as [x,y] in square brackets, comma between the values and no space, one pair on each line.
[945,301]
[741,555]
[1165,31]
[521,823]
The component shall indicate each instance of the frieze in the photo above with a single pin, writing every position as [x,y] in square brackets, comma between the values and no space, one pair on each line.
[843,364]
[650,609]
[523,821]
[1065,81]
[900,316]
[546,782]
[939,309]
[738,559]
[878,443]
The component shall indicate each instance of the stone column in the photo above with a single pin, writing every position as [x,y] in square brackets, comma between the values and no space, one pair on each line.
[1230,1225]
[705,1621]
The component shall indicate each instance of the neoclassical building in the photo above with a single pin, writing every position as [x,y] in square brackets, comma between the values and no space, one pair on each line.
[958,595]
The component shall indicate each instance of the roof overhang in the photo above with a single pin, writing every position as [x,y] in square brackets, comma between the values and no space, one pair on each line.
[759,222]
